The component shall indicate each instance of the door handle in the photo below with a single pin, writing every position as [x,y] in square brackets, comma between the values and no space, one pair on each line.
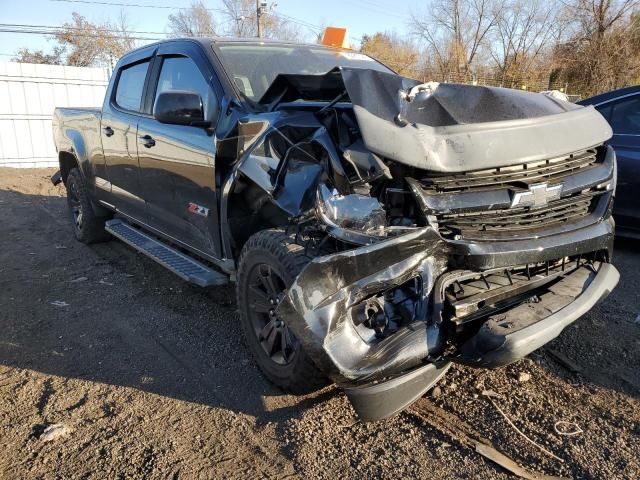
[148,141]
[108,131]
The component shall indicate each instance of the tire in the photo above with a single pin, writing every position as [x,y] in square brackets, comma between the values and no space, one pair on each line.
[87,227]
[271,258]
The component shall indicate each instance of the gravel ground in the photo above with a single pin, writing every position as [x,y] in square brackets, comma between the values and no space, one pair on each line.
[149,378]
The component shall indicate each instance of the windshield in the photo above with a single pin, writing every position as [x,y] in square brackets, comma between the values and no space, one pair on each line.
[253,67]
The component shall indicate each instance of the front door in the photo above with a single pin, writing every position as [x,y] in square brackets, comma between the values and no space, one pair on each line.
[177,162]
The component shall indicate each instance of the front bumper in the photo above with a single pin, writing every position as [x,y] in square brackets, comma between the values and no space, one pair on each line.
[507,337]
[382,376]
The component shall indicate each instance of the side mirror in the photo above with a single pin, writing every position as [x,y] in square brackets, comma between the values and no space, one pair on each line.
[180,107]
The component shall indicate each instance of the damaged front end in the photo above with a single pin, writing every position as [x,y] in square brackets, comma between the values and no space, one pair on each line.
[447,223]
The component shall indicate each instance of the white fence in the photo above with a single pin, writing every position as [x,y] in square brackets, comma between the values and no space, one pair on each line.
[28,95]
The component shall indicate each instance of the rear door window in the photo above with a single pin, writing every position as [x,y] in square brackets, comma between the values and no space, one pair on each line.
[131,85]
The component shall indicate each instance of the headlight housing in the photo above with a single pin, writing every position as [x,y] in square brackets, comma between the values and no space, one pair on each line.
[353,214]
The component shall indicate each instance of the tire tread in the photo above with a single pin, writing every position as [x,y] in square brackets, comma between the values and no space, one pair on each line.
[305,376]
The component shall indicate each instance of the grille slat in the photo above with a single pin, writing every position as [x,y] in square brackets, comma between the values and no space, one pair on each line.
[526,173]
[509,216]
[470,224]
[516,218]
[483,222]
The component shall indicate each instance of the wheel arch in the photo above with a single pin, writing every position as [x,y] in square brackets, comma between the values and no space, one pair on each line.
[67,162]
[246,208]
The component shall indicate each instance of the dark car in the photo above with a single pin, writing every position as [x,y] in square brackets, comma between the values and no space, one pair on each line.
[377,228]
[621,108]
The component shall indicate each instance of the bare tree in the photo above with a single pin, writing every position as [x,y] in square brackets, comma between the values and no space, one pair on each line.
[88,44]
[455,31]
[601,53]
[397,53]
[196,21]
[25,55]
[597,17]
[524,31]
[241,18]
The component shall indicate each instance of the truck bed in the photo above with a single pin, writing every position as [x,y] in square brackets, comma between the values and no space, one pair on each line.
[77,126]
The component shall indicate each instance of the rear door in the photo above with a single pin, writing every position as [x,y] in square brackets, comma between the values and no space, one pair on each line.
[121,113]
[624,116]
[177,162]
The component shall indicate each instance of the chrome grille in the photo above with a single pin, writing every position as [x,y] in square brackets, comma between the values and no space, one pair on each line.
[485,219]
[551,171]
[480,223]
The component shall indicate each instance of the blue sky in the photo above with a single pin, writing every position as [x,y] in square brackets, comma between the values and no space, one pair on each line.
[359,16]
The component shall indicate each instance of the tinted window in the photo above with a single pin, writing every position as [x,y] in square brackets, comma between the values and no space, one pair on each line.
[181,73]
[625,116]
[130,86]
[605,111]
[254,67]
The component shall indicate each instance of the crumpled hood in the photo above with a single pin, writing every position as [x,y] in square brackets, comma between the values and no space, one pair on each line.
[450,127]
[444,104]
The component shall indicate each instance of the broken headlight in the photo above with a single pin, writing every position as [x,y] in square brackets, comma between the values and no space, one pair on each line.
[354,213]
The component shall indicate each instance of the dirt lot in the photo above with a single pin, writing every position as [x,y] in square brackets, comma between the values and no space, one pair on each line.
[152,380]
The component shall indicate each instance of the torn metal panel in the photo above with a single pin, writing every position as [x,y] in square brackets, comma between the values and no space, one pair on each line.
[319,307]
[450,127]
[461,128]
[274,158]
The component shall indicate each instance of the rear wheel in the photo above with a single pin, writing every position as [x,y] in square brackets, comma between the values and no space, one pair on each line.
[87,227]
[269,263]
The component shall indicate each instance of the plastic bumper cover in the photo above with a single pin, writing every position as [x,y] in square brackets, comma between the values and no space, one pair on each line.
[507,337]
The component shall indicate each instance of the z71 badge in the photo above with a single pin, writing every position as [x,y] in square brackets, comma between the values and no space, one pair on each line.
[198,209]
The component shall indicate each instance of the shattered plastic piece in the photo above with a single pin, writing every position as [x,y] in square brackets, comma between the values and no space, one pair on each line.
[59,303]
[55,431]
[524,377]
[79,279]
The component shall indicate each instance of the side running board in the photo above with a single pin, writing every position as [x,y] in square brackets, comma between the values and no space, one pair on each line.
[182,265]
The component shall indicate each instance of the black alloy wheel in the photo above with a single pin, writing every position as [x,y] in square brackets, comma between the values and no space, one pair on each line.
[75,205]
[87,226]
[266,290]
[269,264]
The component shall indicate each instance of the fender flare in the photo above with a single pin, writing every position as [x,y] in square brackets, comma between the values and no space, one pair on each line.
[74,152]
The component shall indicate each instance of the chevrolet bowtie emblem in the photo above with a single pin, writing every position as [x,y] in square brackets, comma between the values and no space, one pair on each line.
[538,195]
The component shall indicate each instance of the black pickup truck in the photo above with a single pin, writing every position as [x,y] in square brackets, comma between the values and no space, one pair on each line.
[377,228]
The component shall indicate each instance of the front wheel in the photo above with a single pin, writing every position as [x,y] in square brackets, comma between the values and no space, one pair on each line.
[269,263]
